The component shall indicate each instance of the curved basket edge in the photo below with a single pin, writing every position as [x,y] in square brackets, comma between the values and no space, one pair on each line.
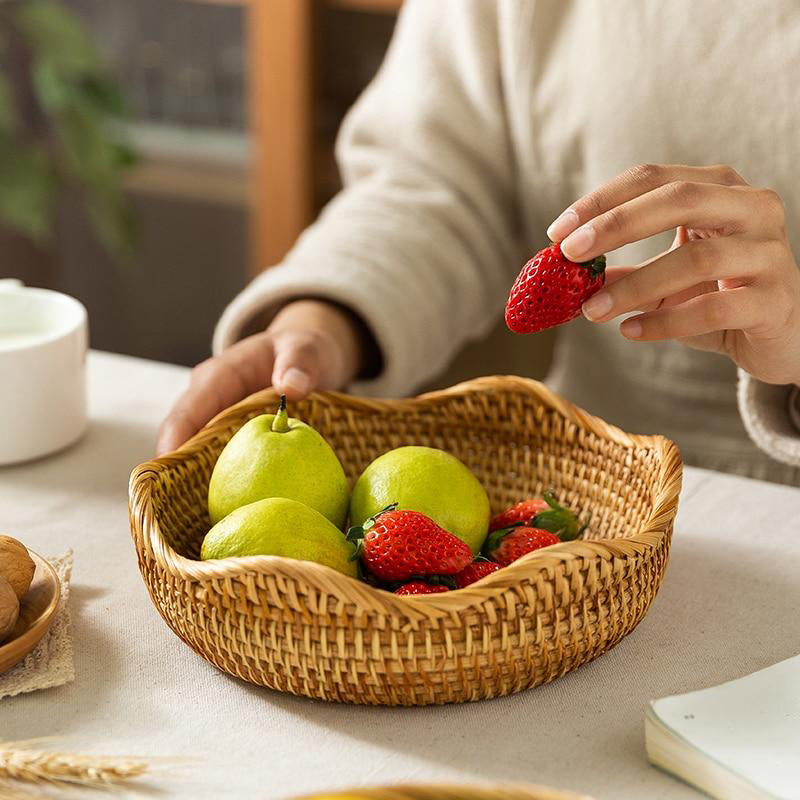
[147,535]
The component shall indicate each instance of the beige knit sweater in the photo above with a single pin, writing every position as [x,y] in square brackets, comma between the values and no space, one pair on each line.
[485,121]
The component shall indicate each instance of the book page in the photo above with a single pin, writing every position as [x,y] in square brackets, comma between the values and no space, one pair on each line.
[751,726]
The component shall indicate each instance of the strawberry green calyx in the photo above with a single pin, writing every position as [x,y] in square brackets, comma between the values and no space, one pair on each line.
[356,533]
[558,520]
[597,266]
[281,422]
[495,538]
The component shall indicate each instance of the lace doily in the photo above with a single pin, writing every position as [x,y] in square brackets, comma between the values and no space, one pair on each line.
[50,663]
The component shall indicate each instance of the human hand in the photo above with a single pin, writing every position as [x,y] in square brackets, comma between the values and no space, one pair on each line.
[310,345]
[729,283]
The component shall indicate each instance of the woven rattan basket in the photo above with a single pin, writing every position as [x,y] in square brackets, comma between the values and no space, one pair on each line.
[303,628]
[437,792]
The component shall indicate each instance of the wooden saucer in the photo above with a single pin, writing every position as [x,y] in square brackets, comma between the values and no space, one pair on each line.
[37,611]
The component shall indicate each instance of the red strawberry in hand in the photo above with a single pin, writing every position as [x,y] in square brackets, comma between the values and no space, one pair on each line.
[398,545]
[551,289]
[420,587]
[474,572]
[509,544]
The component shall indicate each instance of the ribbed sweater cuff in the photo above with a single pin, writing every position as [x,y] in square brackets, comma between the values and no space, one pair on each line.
[771,415]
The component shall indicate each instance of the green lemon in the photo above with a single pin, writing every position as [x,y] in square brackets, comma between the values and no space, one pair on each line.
[276,456]
[278,526]
[427,480]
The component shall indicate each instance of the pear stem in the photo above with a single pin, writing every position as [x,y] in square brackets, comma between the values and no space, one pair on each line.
[281,422]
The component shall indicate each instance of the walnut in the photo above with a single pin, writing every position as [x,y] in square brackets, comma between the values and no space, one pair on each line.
[9,609]
[16,566]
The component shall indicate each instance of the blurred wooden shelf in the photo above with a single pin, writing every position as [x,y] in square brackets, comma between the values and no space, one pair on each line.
[190,179]
[377,6]
[283,51]
[290,178]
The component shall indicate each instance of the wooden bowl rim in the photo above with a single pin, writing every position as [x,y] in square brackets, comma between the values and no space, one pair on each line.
[328,581]
[449,791]
[26,641]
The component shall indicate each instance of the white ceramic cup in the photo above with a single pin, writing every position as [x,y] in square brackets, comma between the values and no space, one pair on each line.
[44,338]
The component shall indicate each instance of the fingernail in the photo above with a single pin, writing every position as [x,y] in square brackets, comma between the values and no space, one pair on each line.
[296,380]
[597,306]
[563,225]
[631,328]
[578,242]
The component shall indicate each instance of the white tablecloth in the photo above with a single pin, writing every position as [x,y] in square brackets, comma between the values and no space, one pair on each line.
[728,606]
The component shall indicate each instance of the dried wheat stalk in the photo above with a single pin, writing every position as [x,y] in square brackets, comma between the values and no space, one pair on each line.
[21,761]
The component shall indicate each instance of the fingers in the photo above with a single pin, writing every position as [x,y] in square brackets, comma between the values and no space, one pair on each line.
[216,384]
[696,205]
[317,346]
[298,369]
[617,273]
[733,309]
[633,183]
[174,431]
[309,345]
[696,262]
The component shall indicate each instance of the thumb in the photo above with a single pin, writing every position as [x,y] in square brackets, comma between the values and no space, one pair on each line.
[297,370]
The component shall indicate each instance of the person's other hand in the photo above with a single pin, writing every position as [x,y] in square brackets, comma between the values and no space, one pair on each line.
[729,284]
[310,345]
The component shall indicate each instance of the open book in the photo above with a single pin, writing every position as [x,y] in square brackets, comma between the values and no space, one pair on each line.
[737,741]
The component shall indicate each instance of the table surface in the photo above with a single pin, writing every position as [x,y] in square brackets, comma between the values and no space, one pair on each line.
[728,606]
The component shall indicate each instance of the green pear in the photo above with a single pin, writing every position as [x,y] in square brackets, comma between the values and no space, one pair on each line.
[280,527]
[427,480]
[276,456]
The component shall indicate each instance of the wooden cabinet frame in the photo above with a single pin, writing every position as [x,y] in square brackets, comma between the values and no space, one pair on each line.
[280,46]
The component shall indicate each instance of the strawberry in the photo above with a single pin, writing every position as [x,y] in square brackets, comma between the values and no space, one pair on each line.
[541,512]
[420,587]
[550,290]
[399,545]
[520,513]
[509,544]
[474,572]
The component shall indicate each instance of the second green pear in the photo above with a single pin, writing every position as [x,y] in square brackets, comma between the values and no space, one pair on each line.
[427,480]
[274,455]
[280,527]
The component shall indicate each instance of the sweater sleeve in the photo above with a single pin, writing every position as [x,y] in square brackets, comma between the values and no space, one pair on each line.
[771,415]
[421,242]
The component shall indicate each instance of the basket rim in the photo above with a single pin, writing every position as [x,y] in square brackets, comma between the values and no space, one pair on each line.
[147,534]
[449,791]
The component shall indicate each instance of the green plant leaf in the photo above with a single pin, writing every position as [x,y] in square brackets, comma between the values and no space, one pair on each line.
[113,221]
[27,191]
[102,93]
[8,113]
[89,154]
[53,90]
[57,34]
[126,156]
[93,159]
[81,102]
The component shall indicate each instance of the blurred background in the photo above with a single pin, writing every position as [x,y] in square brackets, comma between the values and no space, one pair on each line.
[155,155]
